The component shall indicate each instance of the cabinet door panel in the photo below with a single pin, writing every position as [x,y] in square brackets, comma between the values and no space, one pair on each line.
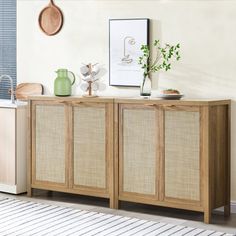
[138,150]
[7,146]
[50,143]
[182,155]
[90,146]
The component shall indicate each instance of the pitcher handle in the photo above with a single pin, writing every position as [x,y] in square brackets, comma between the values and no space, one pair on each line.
[73,77]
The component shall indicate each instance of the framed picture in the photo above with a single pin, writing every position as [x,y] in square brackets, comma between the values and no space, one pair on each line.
[125,39]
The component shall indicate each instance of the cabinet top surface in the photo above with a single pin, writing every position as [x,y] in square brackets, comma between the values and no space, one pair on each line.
[5,103]
[134,100]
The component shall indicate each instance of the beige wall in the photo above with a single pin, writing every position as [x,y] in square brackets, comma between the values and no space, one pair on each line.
[206,30]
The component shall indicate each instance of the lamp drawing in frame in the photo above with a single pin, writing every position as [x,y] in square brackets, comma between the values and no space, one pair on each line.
[128,40]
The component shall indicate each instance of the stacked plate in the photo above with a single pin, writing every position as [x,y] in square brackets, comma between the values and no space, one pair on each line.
[170,96]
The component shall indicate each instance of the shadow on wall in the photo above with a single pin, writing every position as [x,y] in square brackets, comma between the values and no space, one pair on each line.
[233,150]
[195,82]
[101,79]
[155,33]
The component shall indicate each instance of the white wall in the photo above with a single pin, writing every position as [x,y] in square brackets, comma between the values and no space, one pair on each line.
[206,30]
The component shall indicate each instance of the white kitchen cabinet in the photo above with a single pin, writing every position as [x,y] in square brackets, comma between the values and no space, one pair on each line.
[13,148]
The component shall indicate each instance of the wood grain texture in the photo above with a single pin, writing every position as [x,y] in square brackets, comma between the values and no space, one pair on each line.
[110,156]
[69,147]
[21,149]
[60,188]
[206,170]
[220,155]
[228,165]
[185,102]
[51,19]
[161,150]
[153,201]
[71,99]
[24,90]
[114,201]
[30,120]
[136,100]
[213,150]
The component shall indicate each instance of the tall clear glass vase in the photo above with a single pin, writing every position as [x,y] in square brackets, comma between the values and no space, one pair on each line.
[146,87]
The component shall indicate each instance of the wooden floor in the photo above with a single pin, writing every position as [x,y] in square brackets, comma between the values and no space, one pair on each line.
[141,211]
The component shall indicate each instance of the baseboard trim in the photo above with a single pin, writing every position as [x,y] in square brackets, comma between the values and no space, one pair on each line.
[233,207]
[8,188]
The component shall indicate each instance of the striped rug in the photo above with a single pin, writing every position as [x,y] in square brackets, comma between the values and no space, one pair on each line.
[19,217]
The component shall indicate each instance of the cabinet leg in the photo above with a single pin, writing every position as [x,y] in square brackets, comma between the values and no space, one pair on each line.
[207,217]
[29,192]
[114,203]
[227,210]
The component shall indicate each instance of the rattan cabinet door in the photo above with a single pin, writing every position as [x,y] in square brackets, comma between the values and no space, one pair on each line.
[49,129]
[138,152]
[91,146]
[182,155]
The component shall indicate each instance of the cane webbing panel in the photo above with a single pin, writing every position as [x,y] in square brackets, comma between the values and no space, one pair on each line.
[139,150]
[90,146]
[182,156]
[50,143]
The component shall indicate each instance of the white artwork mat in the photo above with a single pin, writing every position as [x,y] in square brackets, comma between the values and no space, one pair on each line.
[126,38]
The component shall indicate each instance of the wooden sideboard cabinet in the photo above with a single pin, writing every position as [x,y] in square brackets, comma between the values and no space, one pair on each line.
[174,153]
[71,144]
[160,152]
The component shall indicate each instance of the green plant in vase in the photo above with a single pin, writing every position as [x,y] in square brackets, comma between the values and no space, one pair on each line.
[162,61]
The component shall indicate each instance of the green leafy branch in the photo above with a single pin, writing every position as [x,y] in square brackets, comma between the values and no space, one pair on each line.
[163,58]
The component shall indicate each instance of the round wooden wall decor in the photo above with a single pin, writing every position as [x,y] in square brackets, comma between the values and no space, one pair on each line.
[51,19]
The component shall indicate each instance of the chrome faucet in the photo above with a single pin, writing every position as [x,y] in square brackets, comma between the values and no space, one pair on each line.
[11,81]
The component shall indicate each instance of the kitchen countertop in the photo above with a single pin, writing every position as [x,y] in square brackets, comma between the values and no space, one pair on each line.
[8,104]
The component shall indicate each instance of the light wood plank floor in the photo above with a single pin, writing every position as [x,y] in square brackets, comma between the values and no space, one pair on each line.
[141,211]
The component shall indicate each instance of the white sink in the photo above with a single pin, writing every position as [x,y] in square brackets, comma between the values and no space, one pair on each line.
[8,103]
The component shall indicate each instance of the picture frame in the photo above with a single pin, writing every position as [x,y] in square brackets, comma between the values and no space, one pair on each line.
[125,39]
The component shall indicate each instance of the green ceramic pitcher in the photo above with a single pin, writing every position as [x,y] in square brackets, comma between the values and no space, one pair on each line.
[63,84]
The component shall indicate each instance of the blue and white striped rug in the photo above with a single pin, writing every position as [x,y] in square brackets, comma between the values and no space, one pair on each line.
[26,218]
